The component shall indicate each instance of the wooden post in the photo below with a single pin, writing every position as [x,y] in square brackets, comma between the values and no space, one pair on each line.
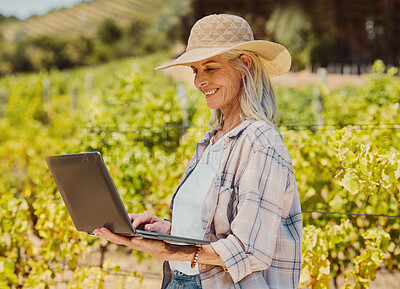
[182,96]
[363,69]
[318,98]
[322,73]
[338,68]
[354,69]
[46,91]
[46,83]
[74,99]
[88,81]
[331,68]
[346,69]
[3,103]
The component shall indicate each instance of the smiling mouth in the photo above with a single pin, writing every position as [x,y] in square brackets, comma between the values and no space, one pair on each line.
[210,92]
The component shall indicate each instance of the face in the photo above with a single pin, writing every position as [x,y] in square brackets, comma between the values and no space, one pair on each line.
[219,81]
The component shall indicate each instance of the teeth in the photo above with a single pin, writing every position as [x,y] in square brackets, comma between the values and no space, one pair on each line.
[210,92]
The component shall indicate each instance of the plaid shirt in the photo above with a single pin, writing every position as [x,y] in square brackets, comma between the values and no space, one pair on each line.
[251,213]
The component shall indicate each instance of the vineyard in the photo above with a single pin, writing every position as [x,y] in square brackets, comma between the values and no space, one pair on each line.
[344,143]
[83,18]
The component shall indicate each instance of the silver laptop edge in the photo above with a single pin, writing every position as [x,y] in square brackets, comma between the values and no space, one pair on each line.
[81,179]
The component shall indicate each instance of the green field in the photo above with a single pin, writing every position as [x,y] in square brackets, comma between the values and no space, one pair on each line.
[84,18]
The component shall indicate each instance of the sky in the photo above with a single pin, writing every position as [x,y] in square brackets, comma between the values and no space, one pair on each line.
[25,8]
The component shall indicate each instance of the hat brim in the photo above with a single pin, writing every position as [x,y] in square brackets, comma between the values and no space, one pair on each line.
[276,58]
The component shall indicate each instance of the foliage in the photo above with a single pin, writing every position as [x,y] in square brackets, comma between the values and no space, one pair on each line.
[139,34]
[290,27]
[63,52]
[109,32]
[366,264]
[353,170]
[329,27]
[7,18]
[37,236]
[319,244]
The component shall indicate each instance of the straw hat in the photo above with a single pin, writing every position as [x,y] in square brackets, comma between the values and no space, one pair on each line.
[218,33]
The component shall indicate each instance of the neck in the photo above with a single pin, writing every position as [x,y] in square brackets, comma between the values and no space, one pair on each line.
[230,122]
[231,117]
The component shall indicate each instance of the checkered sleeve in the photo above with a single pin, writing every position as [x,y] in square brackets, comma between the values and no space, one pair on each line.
[254,230]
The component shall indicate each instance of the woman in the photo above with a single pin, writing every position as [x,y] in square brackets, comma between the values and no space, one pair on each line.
[239,190]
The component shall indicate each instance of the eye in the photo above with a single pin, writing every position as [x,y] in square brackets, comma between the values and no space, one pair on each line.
[209,69]
[194,71]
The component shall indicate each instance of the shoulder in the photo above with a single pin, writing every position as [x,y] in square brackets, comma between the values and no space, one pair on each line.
[260,135]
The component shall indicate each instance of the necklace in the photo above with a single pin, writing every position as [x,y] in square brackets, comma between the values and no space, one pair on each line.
[211,140]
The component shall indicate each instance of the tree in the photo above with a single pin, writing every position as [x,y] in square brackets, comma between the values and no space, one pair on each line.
[355,31]
[109,32]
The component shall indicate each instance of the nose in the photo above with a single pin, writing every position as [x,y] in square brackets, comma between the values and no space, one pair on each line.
[200,80]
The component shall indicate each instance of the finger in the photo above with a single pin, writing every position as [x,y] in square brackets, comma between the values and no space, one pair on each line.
[100,233]
[162,226]
[110,236]
[143,218]
[133,216]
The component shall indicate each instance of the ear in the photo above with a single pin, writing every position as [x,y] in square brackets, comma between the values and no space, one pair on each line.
[246,60]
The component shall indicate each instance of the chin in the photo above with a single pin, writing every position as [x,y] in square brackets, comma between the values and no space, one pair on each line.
[212,105]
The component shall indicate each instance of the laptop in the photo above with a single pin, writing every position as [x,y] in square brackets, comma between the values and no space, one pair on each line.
[92,199]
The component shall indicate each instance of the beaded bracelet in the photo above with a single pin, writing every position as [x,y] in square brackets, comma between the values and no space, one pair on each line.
[196,255]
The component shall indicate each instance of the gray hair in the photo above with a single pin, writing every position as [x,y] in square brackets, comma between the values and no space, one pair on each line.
[257,99]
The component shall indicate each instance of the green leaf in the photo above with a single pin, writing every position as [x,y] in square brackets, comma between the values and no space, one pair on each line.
[350,183]
[397,173]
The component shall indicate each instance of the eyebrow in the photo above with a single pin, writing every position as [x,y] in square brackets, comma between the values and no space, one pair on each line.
[210,61]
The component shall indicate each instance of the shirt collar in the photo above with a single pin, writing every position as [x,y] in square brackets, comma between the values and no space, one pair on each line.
[233,133]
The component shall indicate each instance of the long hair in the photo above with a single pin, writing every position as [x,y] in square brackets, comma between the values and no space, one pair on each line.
[257,99]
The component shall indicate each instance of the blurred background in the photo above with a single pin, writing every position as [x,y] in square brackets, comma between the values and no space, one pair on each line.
[79,76]
[339,35]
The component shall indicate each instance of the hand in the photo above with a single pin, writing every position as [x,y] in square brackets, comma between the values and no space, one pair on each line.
[162,250]
[154,248]
[152,222]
